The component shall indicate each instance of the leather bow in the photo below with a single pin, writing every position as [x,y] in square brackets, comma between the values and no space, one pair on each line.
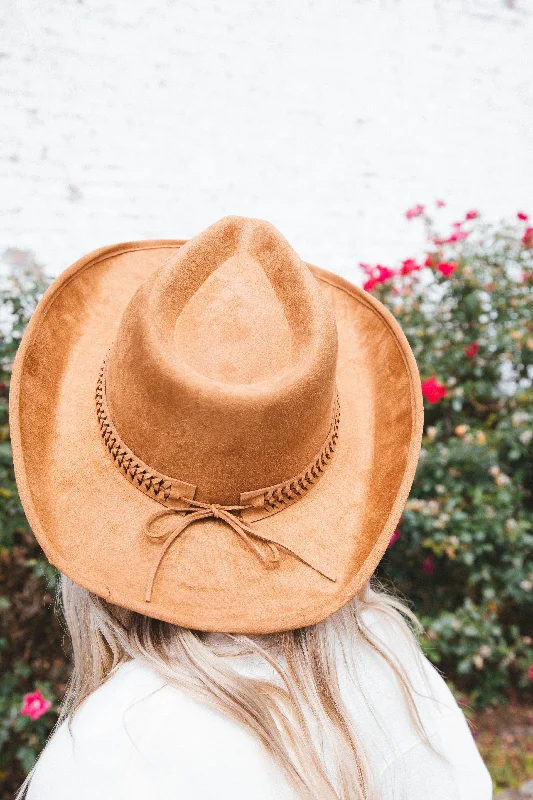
[196,511]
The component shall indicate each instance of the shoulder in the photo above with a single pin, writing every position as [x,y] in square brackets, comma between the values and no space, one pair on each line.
[137,736]
[451,767]
[394,648]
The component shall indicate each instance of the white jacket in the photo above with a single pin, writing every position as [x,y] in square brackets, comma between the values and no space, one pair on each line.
[137,738]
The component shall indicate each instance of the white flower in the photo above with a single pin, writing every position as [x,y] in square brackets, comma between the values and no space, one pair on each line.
[526,586]
[432,508]
[526,436]
[414,505]
[503,480]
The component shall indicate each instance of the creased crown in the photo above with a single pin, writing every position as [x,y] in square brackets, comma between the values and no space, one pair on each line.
[222,373]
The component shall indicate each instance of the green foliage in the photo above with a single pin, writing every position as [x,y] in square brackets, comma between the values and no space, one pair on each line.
[464,554]
[30,636]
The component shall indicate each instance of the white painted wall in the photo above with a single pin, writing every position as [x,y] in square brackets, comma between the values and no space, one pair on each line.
[131,120]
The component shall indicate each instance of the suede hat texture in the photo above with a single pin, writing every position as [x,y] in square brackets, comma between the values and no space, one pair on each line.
[213,432]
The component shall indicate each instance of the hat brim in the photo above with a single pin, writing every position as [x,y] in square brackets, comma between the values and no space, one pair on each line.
[88,517]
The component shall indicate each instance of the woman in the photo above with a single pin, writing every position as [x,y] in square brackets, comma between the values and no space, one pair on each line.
[227,641]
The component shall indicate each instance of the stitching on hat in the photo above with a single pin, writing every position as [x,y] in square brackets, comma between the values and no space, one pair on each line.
[159,486]
[152,483]
[276,497]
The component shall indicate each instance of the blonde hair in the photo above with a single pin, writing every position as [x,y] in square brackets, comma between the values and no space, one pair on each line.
[304,661]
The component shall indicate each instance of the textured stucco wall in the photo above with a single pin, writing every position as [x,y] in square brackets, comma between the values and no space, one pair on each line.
[327,117]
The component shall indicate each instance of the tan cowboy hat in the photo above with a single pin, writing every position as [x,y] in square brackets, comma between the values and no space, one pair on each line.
[214,433]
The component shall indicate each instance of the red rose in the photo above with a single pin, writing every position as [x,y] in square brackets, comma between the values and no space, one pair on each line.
[447,268]
[433,391]
[472,350]
[527,238]
[408,266]
[383,274]
[369,284]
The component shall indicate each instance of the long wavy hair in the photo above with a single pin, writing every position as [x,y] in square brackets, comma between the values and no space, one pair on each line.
[305,688]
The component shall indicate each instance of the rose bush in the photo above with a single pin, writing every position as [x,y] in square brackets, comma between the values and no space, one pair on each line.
[33,667]
[463,552]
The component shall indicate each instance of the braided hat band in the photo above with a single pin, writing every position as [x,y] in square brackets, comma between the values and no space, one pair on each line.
[178,496]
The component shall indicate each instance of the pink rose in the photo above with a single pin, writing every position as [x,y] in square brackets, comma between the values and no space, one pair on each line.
[394,537]
[414,212]
[34,705]
[457,235]
[522,216]
[433,391]
[440,203]
[472,214]
[429,565]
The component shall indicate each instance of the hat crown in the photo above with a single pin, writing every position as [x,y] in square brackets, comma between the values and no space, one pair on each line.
[222,372]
